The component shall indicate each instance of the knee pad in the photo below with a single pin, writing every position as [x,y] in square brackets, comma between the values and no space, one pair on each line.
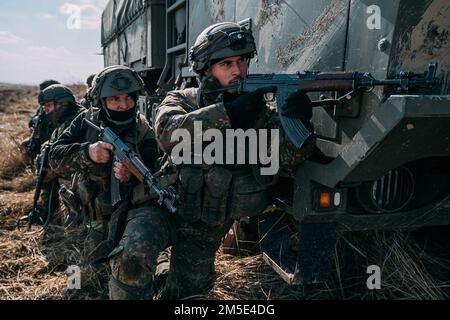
[132,268]
[121,291]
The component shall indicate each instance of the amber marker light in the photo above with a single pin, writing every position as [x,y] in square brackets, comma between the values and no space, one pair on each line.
[325,199]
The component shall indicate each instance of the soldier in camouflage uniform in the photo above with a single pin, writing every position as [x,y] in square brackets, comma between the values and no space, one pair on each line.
[130,241]
[213,196]
[60,107]
[31,146]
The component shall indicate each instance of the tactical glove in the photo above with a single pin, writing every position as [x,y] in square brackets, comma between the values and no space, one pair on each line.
[244,110]
[298,105]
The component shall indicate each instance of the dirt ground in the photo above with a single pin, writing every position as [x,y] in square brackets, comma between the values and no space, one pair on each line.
[33,264]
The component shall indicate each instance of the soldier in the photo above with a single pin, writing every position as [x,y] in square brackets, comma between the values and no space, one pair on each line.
[60,107]
[114,96]
[40,129]
[85,102]
[212,196]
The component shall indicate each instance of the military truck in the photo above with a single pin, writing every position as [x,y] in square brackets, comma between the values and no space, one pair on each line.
[384,154]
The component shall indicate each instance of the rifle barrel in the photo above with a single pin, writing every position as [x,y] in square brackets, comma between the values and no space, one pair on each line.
[92,125]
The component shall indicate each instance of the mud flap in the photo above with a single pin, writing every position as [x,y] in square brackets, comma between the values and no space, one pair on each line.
[300,253]
[315,252]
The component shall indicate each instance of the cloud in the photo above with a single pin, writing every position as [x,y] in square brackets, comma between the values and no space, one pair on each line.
[30,59]
[31,64]
[97,3]
[46,16]
[9,38]
[89,12]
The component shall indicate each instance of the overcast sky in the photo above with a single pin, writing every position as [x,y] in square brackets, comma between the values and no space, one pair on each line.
[43,39]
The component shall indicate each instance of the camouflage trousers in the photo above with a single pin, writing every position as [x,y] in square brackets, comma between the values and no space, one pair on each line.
[191,271]
[140,265]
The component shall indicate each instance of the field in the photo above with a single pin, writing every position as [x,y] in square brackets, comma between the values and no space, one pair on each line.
[33,264]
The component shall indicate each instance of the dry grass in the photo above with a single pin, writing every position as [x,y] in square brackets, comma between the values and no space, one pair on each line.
[409,269]
[11,162]
[249,278]
[33,265]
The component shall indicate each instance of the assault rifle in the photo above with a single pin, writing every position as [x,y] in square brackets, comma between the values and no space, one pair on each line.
[34,144]
[130,159]
[42,172]
[310,81]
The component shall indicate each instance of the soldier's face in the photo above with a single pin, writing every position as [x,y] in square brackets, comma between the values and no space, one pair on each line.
[122,102]
[49,107]
[230,70]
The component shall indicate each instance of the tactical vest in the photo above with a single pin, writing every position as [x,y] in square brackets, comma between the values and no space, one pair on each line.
[216,194]
[64,179]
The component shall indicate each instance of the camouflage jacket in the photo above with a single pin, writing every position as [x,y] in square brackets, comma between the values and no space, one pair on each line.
[41,132]
[181,108]
[65,123]
[216,193]
[70,154]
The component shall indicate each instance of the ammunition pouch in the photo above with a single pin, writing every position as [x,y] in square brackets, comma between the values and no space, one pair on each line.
[219,195]
[248,197]
[190,188]
[217,185]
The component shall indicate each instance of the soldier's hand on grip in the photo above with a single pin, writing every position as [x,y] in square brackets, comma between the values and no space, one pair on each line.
[121,172]
[244,109]
[298,105]
[99,152]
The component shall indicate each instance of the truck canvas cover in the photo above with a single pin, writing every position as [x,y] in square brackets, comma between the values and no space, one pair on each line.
[117,15]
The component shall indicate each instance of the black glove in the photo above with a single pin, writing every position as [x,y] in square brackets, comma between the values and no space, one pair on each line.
[298,105]
[244,109]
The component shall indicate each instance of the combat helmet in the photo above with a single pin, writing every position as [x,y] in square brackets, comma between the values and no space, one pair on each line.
[56,93]
[47,83]
[89,80]
[64,97]
[113,81]
[221,40]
